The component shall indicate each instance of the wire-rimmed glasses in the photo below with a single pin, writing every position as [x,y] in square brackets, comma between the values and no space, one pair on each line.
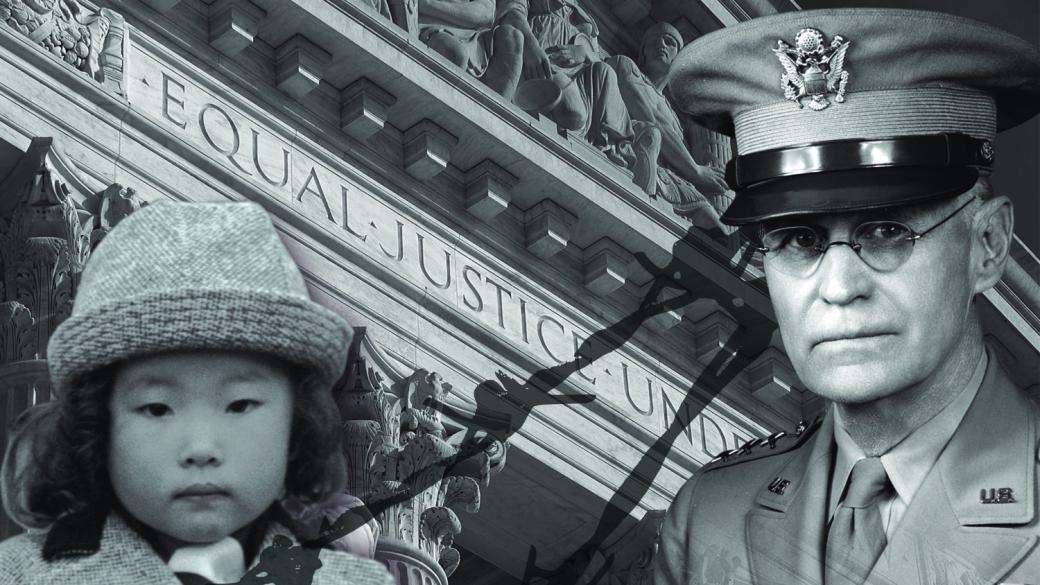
[884,245]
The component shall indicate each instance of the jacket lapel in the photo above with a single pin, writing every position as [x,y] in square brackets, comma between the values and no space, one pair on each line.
[122,557]
[949,534]
[786,531]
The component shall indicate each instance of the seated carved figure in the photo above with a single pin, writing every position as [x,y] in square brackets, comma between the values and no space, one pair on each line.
[681,181]
[465,32]
[560,44]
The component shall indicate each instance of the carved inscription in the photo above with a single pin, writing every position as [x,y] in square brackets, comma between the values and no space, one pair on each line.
[369,218]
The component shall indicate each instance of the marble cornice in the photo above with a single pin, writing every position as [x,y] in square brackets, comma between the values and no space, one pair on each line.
[606,201]
[582,180]
[124,134]
[598,444]
[616,220]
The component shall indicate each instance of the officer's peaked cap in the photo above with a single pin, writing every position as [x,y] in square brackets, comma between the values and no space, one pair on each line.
[849,109]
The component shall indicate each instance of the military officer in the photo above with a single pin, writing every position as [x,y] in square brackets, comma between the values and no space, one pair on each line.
[863,146]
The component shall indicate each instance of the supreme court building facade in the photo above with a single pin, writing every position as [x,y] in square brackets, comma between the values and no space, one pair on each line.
[462,235]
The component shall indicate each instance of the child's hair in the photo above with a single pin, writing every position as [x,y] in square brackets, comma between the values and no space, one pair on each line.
[56,461]
[176,276]
[56,456]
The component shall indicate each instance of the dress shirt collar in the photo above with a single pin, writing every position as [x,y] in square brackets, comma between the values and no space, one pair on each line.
[909,461]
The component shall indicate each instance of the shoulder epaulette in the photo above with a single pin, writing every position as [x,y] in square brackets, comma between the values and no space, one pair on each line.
[762,447]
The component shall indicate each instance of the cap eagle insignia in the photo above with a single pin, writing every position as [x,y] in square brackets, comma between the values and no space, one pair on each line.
[813,69]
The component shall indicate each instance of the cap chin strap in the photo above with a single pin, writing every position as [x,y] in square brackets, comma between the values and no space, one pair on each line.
[942,150]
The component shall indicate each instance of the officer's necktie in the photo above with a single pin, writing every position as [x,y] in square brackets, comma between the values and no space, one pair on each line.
[857,536]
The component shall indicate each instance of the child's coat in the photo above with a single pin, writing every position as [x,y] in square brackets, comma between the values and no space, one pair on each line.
[125,558]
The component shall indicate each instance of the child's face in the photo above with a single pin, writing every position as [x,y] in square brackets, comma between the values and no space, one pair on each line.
[200,440]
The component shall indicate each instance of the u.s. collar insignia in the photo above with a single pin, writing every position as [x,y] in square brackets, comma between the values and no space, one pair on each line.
[1003,495]
[812,69]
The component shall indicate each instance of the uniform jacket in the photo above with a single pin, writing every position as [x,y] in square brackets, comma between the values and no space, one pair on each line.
[727,526]
[125,558]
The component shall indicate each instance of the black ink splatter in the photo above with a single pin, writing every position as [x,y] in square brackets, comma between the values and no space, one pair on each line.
[503,406]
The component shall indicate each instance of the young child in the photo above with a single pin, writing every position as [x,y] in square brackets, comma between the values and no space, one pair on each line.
[192,386]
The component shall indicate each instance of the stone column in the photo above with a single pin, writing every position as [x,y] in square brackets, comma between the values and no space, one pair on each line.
[411,470]
[48,225]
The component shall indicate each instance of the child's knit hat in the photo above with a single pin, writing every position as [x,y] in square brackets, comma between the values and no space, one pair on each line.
[184,276]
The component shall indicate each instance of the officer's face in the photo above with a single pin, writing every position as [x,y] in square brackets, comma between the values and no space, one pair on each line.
[855,334]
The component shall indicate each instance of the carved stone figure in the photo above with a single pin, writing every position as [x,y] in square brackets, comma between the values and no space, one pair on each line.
[93,42]
[110,207]
[408,466]
[561,45]
[45,239]
[465,32]
[681,180]
[48,220]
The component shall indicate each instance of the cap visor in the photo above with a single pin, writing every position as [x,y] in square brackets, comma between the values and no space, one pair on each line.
[850,190]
